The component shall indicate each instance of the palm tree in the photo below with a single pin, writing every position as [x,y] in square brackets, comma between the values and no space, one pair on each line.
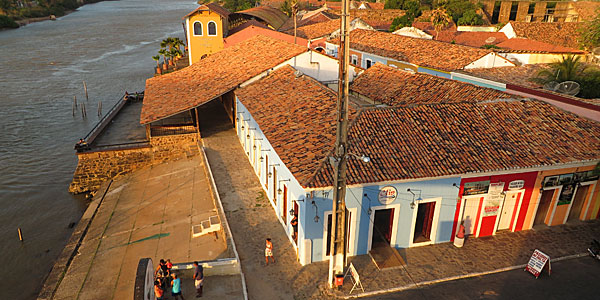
[569,68]
[164,54]
[175,52]
[177,43]
[439,19]
[157,58]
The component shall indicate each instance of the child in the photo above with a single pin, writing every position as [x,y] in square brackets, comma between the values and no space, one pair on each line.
[169,265]
[176,287]
[158,290]
[269,251]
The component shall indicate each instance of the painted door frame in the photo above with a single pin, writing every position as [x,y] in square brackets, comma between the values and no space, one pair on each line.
[515,213]
[552,209]
[585,199]
[351,242]
[393,240]
[478,215]
[434,223]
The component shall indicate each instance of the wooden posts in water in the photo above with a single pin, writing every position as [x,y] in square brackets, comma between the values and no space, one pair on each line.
[20,234]
[83,111]
[74,106]
[85,89]
[99,108]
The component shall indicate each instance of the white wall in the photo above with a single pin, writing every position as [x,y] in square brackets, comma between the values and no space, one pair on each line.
[508,31]
[413,32]
[491,60]
[321,67]
[519,58]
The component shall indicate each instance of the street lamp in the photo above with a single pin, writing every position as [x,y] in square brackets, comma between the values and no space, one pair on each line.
[413,204]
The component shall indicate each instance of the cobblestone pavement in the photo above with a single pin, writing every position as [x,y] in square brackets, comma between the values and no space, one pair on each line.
[252,219]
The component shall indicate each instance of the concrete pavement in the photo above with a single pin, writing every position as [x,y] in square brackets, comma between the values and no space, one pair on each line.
[148,213]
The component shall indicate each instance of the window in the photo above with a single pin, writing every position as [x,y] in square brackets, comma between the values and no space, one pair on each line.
[212,28]
[368,63]
[197,28]
[354,60]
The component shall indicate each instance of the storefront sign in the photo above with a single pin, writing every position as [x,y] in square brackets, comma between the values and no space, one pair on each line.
[516,184]
[537,262]
[494,198]
[387,195]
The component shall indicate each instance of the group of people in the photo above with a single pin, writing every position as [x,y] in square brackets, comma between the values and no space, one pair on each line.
[165,278]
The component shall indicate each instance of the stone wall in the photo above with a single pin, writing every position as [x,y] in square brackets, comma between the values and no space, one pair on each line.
[95,167]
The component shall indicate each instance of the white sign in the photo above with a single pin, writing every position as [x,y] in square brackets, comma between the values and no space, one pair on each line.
[516,184]
[355,278]
[537,262]
[387,195]
[492,202]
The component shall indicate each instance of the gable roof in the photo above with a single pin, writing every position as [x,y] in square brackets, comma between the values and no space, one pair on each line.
[556,33]
[213,76]
[272,16]
[474,38]
[251,30]
[316,30]
[212,7]
[297,116]
[451,139]
[248,23]
[313,17]
[393,87]
[422,52]
[380,19]
[528,45]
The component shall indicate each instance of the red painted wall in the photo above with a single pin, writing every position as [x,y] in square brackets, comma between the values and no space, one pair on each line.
[487,223]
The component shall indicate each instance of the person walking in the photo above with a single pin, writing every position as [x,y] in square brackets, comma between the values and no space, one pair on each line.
[269,251]
[198,278]
[176,287]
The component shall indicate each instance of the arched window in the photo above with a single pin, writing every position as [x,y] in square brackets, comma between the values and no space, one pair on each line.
[212,28]
[197,28]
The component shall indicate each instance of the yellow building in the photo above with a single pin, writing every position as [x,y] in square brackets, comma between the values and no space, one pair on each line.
[205,29]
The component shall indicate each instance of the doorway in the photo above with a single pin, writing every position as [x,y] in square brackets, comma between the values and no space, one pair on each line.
[577,203]
[470,210]
[543,207]
[424,222]
[509,209]
[382,227]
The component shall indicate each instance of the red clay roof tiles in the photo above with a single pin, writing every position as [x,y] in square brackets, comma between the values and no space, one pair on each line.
[422,52]
[451,139]
[556,33]
[213,76]
[392,86]
[528,45]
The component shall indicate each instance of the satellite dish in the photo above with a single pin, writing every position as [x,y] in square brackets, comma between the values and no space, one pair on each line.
[568,87]
[551,86]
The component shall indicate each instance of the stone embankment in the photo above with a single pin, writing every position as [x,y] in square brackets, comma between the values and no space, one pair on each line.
[96,167]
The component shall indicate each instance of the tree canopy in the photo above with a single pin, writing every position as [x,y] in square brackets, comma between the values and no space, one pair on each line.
[589,33]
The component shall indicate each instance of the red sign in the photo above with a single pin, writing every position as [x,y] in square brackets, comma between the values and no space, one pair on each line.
[537,262]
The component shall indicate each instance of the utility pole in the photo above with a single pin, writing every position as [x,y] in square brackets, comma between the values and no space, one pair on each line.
[337,260]
[294,14]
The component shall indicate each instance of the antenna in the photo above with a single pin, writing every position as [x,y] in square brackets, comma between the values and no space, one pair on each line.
[567,87]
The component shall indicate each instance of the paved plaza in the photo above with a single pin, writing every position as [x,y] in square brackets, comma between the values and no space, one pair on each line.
[148,213]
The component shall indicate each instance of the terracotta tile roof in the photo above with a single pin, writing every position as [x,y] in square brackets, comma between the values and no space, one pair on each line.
[557,33]
[514,75]
[422,52]
[247,24]
[451,139]
[297,115]
[474,39]
[374,5]
[587,10]
[528,45]
[380,19]
[213,76]
[213,7]
[392,86]
[321,16]
[272,16]
[251,31]
[316,30]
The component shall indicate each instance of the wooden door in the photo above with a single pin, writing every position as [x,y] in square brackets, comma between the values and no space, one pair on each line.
[543,207]
[470,209]
[511,200]
[274,185]
[284,205]
[388,235]
[267,171]
[578,202]
[428,222]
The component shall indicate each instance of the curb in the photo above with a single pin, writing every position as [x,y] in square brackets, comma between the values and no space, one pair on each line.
[213,186]
[452,278]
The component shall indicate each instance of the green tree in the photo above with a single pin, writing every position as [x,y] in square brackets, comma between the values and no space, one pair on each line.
[286,7]
[456,8]
[439,19]
[393,4]
[400,22]
[156,58]
[569,68]
[413,9]
[470,17]
[164,53]
[237,5]
[589,33]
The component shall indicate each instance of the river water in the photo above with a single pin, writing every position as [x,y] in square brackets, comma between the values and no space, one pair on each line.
[42,66]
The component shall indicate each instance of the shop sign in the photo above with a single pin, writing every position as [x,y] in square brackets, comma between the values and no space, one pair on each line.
[516,184]
[537,262]
[387,195]
[566,194]
[494,198]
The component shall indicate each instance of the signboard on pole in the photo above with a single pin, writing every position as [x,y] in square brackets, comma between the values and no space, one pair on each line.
[387,195]
[537,262]
[355,278]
